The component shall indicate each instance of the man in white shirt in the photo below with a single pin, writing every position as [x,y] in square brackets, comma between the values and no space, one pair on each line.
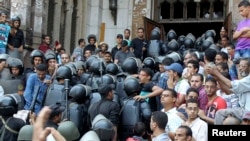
[168,99]
[198,126]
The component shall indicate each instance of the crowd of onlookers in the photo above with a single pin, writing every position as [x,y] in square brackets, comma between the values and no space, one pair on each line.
[181,84]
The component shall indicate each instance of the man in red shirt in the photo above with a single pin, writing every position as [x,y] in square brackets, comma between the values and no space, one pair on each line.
[45,44]
[215,102]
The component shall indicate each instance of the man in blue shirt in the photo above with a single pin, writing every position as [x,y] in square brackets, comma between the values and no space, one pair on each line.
[4,32]
[37,84]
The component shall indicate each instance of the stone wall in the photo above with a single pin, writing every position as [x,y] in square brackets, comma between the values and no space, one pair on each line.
[233,7]
[5,5]
[90,16]
[141,8]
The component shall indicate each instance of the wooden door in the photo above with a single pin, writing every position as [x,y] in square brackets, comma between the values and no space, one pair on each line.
[149,25]
[228,24]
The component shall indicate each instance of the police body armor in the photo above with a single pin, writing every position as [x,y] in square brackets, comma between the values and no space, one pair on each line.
[97,68]
[119,85]
[55,94]
[93,82]
[156,46]
[79,106]
[132,112]
[11,86]
[78,114]
[84,77]
[95,97]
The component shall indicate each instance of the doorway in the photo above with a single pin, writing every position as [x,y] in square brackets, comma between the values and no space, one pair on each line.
[197,29]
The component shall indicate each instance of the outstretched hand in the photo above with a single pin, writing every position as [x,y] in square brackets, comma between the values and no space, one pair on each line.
[211,69]
[39,132]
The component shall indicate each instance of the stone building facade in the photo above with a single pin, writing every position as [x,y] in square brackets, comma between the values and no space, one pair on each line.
[69,20]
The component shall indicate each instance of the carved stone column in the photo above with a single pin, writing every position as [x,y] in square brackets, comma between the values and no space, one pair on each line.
[5,5]
[56,19]
[79,18]
[68,23]
[36,22]
[139,10]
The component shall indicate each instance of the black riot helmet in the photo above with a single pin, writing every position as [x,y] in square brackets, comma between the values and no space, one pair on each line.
[103,127]
[188,42]
[63,72]
[171,35]
[80,93]
[16,63]
[112,69]
[10,104]
[149,62]
[200,55]
[36,53]
[72,67]
[210,33]
[205,45]
[131,65]
[173,45]
[155,34]
[213,46]
[181,39]
[132,86]
[79,65]
[97,67]
[50,55]
[176,57]
[198,43]
[108,79]
[91,59]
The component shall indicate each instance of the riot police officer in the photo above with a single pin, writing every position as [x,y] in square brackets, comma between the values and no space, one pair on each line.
[9,125]
[78,106]
[132,111]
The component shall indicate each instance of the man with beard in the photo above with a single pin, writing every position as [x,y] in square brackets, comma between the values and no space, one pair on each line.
[45,44]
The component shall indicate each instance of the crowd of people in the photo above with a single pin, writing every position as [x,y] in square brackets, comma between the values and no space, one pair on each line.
[159,90]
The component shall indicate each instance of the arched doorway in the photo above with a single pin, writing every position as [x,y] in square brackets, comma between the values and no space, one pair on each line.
[191,16]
